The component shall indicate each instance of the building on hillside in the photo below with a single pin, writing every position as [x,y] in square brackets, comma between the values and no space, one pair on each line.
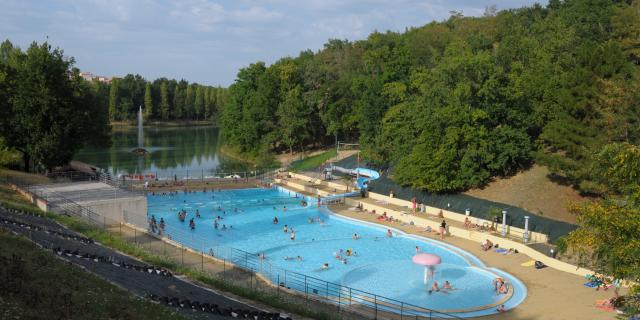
[88,76]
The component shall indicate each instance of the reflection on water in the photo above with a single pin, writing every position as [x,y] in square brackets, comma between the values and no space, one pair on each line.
[175,150]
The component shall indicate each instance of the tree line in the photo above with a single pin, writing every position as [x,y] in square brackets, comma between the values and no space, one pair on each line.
[47,111]
[449,105]
[161,99]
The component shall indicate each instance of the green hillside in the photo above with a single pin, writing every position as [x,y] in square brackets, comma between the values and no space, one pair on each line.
[451,104]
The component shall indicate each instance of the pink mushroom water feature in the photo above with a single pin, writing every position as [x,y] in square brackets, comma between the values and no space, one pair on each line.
[429,261]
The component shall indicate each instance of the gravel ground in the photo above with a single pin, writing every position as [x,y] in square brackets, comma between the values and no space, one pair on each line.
[137,282]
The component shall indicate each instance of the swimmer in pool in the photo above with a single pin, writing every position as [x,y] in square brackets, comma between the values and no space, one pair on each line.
[285,229]
[434,287]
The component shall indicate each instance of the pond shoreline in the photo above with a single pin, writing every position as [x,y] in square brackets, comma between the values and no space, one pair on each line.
[159,123]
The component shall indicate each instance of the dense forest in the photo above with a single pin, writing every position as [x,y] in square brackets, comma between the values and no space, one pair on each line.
[449,105]
[162,99]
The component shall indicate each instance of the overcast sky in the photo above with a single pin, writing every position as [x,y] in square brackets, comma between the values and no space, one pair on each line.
[207,41]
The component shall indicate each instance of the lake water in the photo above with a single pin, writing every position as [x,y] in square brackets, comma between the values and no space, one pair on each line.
[183,151]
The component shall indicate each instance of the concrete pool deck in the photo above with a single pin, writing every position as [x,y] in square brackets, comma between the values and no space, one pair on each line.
[552,294]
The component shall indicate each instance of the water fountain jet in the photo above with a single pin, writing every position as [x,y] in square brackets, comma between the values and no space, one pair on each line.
[140,150]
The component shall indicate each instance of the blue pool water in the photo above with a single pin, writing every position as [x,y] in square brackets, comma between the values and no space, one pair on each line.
[382,265]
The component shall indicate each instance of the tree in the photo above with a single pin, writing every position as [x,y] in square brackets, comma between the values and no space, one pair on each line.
[607,239]
[178,103]
[47,120]
[198,104]
[189,99]
[148,102]
[616,170]
[293,121]
[114,101]
[164,101]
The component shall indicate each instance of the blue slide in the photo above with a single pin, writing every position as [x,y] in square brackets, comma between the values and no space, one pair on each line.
[364,175]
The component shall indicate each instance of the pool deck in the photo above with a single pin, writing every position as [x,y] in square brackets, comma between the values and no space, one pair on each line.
[197,185]
[552,294]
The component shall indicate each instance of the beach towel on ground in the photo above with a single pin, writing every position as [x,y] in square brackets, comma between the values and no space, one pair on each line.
[501,250]
[529,263]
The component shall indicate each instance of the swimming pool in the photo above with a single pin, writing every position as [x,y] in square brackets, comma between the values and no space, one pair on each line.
[381,265]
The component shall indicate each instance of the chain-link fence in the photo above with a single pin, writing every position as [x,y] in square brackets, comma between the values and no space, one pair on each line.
[242,270]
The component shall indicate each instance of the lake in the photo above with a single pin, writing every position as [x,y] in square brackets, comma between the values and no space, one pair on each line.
[182,151]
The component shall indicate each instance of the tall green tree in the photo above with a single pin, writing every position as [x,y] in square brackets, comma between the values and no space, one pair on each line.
[164,101]
[293,120]
[189,102]
[178,103]
[46,117]
[148,102]
[114,109]
[198,103]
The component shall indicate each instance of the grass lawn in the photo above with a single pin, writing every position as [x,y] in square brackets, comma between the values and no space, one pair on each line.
[313,162]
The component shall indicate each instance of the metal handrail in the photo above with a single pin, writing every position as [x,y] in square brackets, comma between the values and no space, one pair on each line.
[324,290]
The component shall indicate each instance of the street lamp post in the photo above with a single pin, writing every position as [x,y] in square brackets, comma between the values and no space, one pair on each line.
[526,229]
[504,223]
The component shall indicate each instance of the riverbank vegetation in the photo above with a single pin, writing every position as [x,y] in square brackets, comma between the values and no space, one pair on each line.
[451,104]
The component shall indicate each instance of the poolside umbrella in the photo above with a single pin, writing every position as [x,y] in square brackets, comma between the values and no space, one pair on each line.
[427,260]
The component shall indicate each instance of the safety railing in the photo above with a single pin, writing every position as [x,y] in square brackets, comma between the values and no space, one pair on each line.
[310,287]
[300,285]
